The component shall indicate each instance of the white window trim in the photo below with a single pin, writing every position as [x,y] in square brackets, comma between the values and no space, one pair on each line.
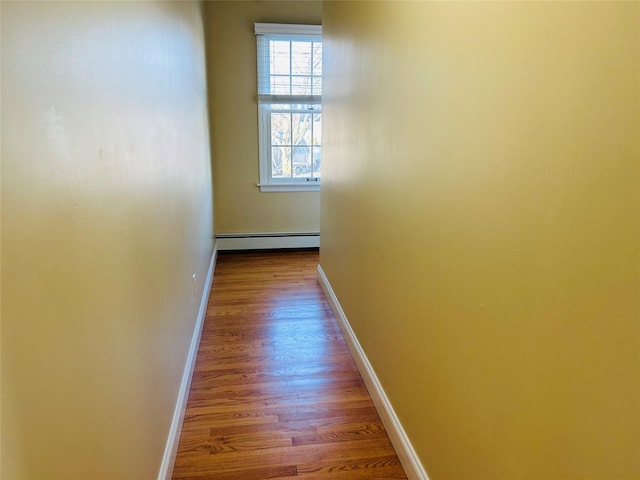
[286,29]
[267,183]
[294,187]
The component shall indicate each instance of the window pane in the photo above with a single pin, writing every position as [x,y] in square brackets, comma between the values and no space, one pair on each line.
[281,129]
[317,158]
[301,126]
[317,129]
[317,58]
[300,85]
[301,161]
[280,162]
[280,60]
[280,85]
[316,83]
[301,58]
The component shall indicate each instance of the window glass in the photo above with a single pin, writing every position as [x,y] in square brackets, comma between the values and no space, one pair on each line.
[290,88]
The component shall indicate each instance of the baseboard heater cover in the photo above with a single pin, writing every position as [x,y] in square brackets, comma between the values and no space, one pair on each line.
[260,241]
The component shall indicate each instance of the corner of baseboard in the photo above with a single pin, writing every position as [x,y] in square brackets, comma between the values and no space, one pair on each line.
[399,439]
[171,447]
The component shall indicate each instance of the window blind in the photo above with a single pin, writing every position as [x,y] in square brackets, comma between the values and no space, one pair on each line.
[289,63]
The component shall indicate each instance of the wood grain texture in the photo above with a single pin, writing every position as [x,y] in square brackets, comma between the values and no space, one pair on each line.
[275,392]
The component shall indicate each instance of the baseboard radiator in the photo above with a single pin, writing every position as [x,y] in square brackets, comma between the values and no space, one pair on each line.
[267,241]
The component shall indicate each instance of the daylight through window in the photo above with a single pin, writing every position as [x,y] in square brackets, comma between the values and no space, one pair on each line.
[289,105]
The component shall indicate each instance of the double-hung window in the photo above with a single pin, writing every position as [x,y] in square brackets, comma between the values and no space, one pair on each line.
[289,106]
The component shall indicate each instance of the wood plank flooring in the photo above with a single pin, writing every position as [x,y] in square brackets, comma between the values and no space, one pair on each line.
[275,391]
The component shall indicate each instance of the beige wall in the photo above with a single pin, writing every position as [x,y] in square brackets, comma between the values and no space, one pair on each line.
[240,207]
[479,223]
[106,214]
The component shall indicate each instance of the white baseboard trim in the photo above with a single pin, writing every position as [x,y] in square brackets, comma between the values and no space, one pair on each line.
[407,455]
[171,447]
[265,241]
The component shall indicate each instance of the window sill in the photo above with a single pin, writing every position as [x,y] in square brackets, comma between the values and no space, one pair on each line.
[289,187]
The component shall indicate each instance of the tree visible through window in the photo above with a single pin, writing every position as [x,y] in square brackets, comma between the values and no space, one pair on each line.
[289,105]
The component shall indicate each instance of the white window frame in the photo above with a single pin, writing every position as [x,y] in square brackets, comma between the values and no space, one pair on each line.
[267,182]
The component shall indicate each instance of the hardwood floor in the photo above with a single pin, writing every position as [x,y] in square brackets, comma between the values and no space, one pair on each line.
[275,392]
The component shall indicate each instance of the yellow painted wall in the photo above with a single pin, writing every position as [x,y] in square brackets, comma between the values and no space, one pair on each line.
[240,207]
[106,214]
[480,226]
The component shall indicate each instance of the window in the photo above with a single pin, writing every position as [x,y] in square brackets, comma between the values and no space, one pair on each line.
[289,106]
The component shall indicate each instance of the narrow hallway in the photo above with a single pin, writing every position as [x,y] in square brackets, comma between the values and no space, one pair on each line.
[275,391]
